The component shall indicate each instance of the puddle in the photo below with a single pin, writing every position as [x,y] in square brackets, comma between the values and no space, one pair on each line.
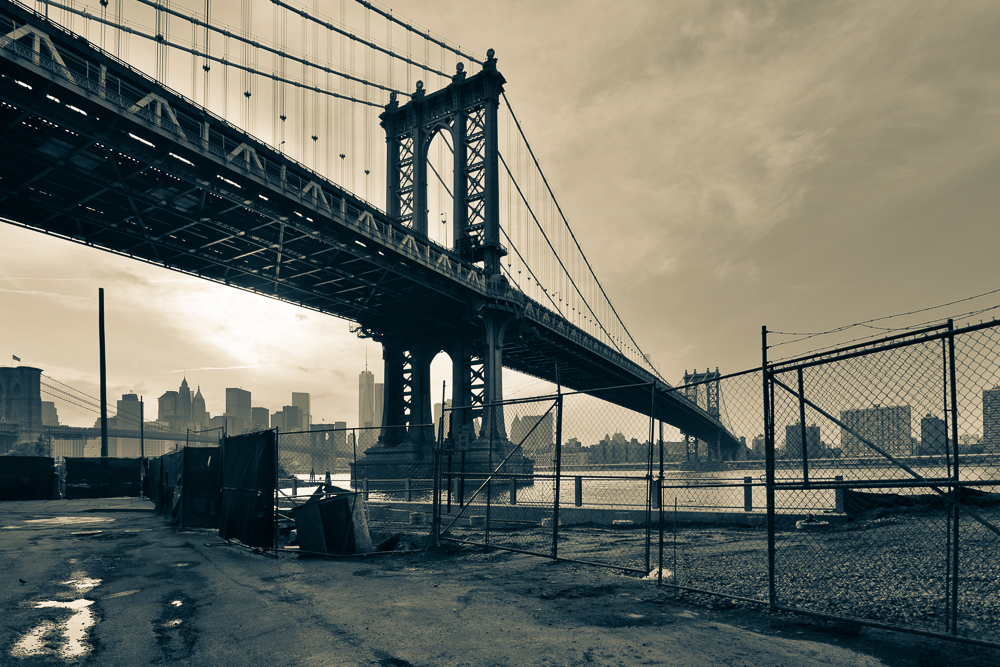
[66,639]
[121,595]
[69,520]
[176,603]
[81,582]
[173,623]
[11,527]
[85,533]
[182,565]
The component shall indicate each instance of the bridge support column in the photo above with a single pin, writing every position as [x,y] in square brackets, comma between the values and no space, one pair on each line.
[495,325]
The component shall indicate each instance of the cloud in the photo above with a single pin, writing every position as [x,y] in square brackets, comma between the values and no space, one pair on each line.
[214,368]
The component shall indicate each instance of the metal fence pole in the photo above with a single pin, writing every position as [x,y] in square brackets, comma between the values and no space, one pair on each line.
[955,488]
[558,467]
[489,471]
[802,429]
[659,504]
[768,468]
[649,475]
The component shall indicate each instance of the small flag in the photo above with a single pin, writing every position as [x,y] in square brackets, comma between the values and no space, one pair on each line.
[16,358]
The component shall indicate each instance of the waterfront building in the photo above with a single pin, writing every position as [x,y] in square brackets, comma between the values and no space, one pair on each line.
[933,436]
[991,419]
[886,427]
[793,441]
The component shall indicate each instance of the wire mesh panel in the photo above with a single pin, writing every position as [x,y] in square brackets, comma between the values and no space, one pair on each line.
[878,445]
[606,480]
[497,489]
[713,500]
[977,430]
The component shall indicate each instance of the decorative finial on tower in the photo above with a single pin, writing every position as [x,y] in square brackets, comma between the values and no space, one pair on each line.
[420,90]
[491,61]
[459,73]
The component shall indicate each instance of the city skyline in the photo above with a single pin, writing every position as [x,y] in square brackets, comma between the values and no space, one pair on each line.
[803,170]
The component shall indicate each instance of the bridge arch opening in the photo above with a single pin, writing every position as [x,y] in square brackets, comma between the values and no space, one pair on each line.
[440,187]
[441,389]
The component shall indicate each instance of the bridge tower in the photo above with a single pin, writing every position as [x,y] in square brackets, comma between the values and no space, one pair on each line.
[466,113]
[703,390]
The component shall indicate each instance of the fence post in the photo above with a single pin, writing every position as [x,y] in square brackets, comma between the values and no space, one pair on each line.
[748,494]
[802,429]
[558,462]
[578,491]
[364,485]
[409,491]
[838,503]
[295,485]
[513,491]
[768,387]
[955,488]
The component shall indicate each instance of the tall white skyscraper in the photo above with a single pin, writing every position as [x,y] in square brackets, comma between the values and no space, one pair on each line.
[366,399]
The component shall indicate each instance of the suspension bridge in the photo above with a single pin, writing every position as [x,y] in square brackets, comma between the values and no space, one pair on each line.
[156,131]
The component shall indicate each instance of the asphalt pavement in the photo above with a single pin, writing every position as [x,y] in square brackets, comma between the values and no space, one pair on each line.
[109,582]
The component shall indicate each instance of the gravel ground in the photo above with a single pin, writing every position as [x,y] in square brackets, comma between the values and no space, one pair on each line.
[891,569]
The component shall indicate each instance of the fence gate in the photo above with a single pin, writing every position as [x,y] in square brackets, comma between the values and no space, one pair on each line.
[893,439]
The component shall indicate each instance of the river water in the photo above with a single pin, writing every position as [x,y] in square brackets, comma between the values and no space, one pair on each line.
[722,490]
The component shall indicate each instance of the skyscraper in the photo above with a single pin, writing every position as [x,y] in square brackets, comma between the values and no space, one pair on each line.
[366,399]
[238,409]
[238,404]
[199,415]
[260,418]
[301,401]
[184,402]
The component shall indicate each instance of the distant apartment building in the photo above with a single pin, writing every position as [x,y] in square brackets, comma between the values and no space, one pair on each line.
[793,441]
[991,419]
[887,428]
[933,436]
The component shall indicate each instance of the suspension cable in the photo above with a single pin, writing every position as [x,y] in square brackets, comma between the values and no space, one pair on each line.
[426,35]
[348,34]
[226,62]
[572,235]
[258,45]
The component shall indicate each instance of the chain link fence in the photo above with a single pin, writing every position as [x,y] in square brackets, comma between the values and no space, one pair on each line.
[894,441]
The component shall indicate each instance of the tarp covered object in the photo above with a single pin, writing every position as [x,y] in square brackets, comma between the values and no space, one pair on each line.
[26,477]
[337,525]
[248,487]
[858,502]
[151,483]
[102,478]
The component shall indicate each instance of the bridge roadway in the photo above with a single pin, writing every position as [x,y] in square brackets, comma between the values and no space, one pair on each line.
[100,154]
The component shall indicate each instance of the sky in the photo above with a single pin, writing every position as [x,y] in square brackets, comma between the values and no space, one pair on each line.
[724,165]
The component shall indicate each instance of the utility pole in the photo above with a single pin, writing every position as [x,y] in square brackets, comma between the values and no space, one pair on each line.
[104,374]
